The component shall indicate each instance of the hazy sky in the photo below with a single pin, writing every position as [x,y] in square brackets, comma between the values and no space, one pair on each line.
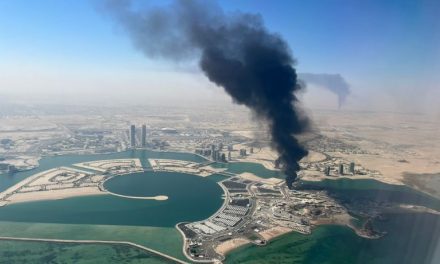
[388,51]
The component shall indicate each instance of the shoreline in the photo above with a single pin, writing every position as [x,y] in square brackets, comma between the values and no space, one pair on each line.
[363,177]
[67,241]
[225,203]
[385,180]
[356,177]
[227,246]
[54,195]
[280,235]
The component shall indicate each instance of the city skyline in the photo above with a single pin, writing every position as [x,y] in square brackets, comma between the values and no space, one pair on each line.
[219,131]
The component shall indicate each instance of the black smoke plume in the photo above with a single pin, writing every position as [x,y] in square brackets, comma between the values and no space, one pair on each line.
[236,52]
[333,82]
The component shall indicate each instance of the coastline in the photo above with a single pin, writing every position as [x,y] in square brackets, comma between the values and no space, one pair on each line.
[184,238]
[227,246]
[149,250]
[56,195]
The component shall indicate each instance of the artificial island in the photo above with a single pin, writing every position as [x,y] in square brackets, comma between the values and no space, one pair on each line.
[255,209]
[256,205]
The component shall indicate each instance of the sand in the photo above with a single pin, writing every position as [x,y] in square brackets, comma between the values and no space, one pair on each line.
[341,219]
[264,156]
[49,177]
[183,167]
[52,185]
[224,247]
[53,194]
[275,232]
[253,177]
[396,144]
[25,182]
[317,177]
[314,157]
[104,165]
[157,198]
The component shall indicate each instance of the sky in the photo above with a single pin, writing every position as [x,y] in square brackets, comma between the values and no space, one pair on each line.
[68,51]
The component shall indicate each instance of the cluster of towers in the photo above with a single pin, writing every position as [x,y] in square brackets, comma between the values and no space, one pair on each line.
[215,152]
[143,139]
[243,152]
[341,170]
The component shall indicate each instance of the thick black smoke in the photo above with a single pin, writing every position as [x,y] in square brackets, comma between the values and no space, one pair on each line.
[333,82]
[254,66]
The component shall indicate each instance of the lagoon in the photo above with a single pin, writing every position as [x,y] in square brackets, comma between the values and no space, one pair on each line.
[410,236]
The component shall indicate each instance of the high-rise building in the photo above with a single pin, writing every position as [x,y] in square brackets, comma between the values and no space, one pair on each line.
[341,169]
[12,169]
[242,152]
[144,136]
[327,170]
[229,156]
[251,150]
[352,168]
[133,136]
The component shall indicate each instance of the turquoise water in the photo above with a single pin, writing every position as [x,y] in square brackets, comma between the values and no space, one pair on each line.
[255,168]
[19,252]
[191,198]
[411,237]
[217,177]
[352,191]
[107,217]
[51,162]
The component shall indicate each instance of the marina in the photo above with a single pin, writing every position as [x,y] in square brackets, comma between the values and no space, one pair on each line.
[153,192]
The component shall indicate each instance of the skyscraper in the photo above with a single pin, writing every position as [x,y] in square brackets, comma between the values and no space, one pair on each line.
[341,169]
[144,136]
[242,152]
[223,157]
[327,170]
[132,136]
[352,168]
